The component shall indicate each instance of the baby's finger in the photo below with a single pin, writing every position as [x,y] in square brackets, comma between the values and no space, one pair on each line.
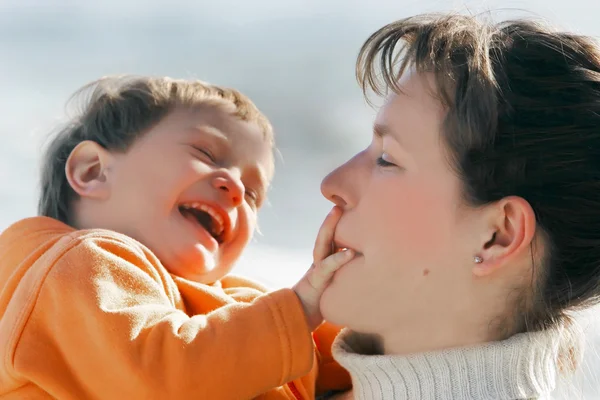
[323,243]
[324,271]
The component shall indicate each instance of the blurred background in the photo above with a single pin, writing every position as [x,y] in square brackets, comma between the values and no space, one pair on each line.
[294,58]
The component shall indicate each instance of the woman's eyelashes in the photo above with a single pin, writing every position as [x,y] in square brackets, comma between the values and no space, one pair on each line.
[384,161]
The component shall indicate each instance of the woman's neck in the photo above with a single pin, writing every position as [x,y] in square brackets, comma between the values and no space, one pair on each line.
[463,323]
[435,337]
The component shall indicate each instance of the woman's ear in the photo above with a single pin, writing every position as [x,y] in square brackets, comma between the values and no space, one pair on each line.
[511,230]
[86,170]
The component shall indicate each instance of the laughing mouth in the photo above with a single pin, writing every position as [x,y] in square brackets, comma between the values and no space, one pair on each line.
[210,218]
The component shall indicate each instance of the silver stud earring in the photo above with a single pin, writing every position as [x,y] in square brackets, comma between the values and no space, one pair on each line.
[478,260]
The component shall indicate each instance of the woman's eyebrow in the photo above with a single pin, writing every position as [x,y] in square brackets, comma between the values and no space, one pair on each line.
[382,130]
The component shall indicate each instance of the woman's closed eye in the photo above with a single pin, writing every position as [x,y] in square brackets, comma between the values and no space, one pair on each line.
[384,161]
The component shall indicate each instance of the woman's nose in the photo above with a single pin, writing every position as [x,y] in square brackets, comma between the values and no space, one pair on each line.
[340,185]
[330,190]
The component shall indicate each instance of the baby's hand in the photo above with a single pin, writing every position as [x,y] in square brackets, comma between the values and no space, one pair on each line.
[310,288]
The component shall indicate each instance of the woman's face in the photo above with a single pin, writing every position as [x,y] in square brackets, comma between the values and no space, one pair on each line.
[404,216]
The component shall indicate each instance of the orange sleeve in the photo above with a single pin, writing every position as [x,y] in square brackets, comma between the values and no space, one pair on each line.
[235,281]
[331,375]
[102,325]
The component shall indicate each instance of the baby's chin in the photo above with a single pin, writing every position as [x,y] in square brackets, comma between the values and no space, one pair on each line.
[198,265]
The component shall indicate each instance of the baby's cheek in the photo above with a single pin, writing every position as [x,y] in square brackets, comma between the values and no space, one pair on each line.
[246,225]
[248,222]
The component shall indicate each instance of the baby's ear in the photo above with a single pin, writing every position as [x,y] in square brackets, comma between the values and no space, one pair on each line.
[86,170]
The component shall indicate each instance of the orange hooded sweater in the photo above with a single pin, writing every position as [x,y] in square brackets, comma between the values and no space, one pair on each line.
[94,315]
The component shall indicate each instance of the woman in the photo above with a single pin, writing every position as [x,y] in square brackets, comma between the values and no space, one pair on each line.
[474,212]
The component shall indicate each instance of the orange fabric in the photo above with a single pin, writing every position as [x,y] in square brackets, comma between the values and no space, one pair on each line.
[331,374]
[93,314]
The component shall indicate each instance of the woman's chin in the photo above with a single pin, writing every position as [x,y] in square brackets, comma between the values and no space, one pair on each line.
[333,307]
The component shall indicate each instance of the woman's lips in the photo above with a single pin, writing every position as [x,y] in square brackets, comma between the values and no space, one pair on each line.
[341,246]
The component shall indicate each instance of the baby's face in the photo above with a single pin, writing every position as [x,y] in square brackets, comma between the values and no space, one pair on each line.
[189,189]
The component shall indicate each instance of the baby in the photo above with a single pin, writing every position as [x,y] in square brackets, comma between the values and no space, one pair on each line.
[120,290]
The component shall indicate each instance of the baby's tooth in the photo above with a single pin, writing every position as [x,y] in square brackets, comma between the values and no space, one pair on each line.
[213,213]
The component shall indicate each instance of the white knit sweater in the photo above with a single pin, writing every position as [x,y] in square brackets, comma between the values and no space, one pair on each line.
[521,367]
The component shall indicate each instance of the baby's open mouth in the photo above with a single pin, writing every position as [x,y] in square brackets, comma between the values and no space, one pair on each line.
[207,217]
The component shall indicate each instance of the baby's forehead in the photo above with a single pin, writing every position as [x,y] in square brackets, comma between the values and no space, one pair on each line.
[240,142]
[229,120]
